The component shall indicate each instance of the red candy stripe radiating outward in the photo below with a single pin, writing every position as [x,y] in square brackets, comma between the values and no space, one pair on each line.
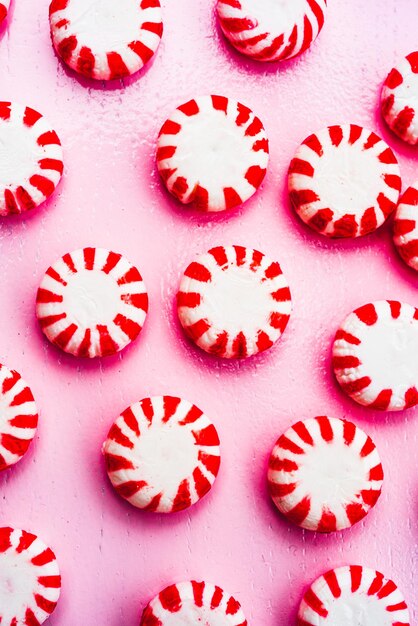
[133,29]
[4,7]
[92,303]
[256,316]
[389,382]
[305,479]
[20,191]
[200,163]
[191,602]
[170,478]
[253,32]
[27,561]
[18,418]
[399,99]
[405,227]
[346,205]
[353,589]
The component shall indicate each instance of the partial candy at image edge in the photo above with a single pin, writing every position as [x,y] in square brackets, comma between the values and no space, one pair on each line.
[366,384]
[18,123]
[19,421]
[131,57]
[360,592]
[196,600]
[405,227]
[399,96]
[236,21]
[30,555]
[4,8]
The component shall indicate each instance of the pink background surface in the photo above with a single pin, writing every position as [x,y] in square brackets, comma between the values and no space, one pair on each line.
[113,557]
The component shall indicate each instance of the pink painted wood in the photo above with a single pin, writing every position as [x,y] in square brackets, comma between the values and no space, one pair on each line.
[113,557]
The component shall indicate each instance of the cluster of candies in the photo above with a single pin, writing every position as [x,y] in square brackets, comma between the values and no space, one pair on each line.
[324,473]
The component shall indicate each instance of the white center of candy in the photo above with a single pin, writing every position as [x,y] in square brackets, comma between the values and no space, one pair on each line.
[348,179]
[388,352]
[276,16]
[18,582]
[91,298]
[236,300]
[5,411]
[358,610]
[406,94]
[165,456]
[105,25]
[212,151]
[332,473]
[19,154]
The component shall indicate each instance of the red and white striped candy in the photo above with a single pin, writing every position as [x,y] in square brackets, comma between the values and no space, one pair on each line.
[212,152]
[375,355]
[108,39]
[405,226]
[30,159]
[162,454]
[234,302]
[30,581]
[399,100]
[4,7]
[325,474]
[353,595]
[18,417]
[92,303]
[268,30]
[193,603]
[344,181]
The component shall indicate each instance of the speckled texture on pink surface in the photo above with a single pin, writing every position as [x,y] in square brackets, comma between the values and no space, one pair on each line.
[114,558]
